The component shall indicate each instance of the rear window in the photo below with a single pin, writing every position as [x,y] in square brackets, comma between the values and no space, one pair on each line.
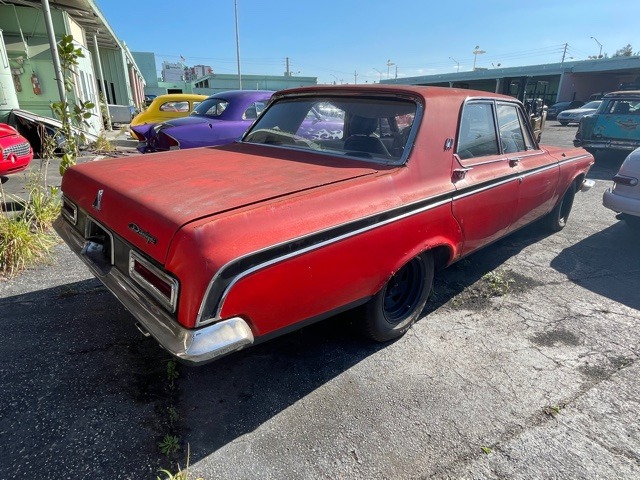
[374,129]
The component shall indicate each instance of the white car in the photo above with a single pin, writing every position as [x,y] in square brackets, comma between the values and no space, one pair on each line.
[574,115]
[624,196]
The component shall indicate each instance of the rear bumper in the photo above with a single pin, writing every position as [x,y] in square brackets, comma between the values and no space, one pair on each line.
[620,204]
[191,346]
[624,145]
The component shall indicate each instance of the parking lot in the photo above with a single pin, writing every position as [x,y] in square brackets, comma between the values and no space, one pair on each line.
[524,366]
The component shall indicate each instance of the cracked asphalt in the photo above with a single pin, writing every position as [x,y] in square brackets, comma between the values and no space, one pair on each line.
[524,366]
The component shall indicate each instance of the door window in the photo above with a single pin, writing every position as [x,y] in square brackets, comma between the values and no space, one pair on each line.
[477,137]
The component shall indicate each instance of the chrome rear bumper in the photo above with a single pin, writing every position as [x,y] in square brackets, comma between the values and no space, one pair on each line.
[191,346]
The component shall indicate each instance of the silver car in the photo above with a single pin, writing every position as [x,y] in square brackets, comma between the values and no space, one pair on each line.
[574,115]
[624,196]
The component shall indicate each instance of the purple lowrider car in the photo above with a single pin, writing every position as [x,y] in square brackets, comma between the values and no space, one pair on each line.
[220,119]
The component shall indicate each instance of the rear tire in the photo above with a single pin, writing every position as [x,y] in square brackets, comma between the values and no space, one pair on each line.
[392,311]
[557,218]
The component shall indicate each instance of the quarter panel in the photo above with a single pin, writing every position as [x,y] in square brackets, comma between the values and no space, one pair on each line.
[338,274]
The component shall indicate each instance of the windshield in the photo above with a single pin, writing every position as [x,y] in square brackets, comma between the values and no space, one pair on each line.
[211,107]
[375,128]
[594,104]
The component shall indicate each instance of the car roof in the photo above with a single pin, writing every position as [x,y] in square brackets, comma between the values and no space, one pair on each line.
[179,97]
[423,92]
[624,93]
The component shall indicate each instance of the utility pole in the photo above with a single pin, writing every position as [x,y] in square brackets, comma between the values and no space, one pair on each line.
[564,52]
[238,46]
[396,77]
[355,77]
[287,73]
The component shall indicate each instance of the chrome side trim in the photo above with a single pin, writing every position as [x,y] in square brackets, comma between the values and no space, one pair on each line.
[445,198]
[237,278]
[191,346]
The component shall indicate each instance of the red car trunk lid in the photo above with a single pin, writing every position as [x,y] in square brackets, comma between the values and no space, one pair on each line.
[146,199]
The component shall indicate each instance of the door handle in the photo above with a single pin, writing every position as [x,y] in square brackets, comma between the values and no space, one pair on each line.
[513,162]
[460,173]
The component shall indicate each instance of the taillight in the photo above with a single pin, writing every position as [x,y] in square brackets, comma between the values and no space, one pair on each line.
[69,210]
[168,142]
[160,285]
[138,136]
[626,181]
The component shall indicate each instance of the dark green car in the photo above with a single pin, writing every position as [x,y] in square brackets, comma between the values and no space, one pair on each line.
[614,126]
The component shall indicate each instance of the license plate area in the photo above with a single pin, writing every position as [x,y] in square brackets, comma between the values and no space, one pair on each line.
[98,246]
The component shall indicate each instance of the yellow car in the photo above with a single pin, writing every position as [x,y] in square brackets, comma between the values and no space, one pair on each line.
[166,107]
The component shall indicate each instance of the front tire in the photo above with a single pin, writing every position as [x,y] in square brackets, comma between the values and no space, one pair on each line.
[557,218]
[392,311]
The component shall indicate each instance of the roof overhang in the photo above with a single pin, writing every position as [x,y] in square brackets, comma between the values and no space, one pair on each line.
[85,12]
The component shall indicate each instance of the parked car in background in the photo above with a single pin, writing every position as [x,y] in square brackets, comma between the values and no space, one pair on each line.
[574,115]
[215,249]
[166,107]
[219,119]
[556,108]
[624,197]
[614,126]
[15,151]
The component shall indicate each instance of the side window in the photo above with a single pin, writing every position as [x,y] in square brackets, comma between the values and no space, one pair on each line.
[252,112]
[174,107]
[511,138]
[477,136]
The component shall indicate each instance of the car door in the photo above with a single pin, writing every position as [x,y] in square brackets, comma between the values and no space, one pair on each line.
[538,171]
[486,183]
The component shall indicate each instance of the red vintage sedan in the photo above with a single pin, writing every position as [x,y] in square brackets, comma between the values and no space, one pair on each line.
[268,234]
[15,151]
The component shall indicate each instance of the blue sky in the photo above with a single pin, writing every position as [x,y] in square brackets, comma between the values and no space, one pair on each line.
[333,40]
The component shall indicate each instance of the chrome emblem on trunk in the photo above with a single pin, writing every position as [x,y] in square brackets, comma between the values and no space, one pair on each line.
[144,234]
[97,203]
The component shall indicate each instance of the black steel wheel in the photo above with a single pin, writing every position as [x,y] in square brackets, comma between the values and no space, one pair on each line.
[392,311]
[557,218]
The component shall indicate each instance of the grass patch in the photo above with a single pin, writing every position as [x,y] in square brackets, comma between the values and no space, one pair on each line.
[102,144]
[21,245]
[25,225]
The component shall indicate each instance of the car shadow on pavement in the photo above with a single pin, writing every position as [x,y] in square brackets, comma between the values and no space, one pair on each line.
[606,263]
[606,166]
[80,387]
[237,394]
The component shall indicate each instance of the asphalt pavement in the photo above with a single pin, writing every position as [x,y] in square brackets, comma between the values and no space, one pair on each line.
[524,366]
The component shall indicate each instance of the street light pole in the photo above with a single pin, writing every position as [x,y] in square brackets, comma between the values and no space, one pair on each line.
[457,63]
[389,63]
[600,45]
[477,52]
[380,72]
[238,47]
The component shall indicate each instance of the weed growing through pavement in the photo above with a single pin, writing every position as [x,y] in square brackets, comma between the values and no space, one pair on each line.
[173,415]
[172,373]
[180,474]
[499,284]
[169,445]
